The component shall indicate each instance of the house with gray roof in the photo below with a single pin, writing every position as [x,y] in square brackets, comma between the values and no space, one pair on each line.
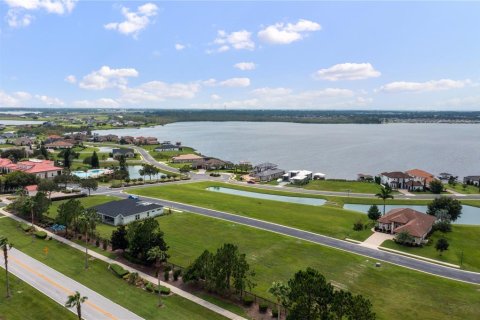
[126,152]
[122,212]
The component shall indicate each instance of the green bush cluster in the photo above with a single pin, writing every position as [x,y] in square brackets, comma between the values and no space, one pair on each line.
[25,227]
[118,270]
[40,234]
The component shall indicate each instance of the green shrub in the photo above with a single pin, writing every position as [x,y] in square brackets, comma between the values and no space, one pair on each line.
[26,227]
[149,287]
[164,290]
[247,301]
[118,270]
[177,273]
[358,226]
[263,307]
[166,275]
[275,313]
[40,234]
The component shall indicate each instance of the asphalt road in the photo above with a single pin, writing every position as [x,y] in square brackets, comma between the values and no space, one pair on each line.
[377,255]
[58,287]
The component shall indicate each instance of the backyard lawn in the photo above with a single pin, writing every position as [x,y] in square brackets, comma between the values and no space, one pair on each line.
[463,238]
[27,303]
[335,222]
[70,262]
[277,257]
[87,202]
[341,186]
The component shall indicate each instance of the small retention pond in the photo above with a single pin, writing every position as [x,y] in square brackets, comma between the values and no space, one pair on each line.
[266,196]
[470,215]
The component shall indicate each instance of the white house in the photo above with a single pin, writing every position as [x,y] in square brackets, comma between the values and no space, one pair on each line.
[396,179]
[122,212]
[298,176]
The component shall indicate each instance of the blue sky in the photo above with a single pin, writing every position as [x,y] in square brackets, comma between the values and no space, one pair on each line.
[253,55]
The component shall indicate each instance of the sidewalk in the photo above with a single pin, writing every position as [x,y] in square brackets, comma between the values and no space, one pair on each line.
[153,280]
[58,287]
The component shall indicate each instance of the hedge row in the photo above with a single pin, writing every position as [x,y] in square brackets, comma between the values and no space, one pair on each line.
[40,234]
[118,270]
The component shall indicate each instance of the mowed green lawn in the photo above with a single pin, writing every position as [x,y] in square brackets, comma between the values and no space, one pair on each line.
[396,292]
[334,222]
[28,303]
[342,186]
[462,238]
[459,188]
[87,202]
[70,262]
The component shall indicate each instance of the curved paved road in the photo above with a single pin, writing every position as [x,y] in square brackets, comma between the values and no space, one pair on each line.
[404,261]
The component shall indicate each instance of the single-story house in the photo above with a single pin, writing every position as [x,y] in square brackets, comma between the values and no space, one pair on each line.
[31,189]
[126,152]
[297,176]
[211,164]
[59,144]
[168,146]
[472,180]
[41,168]
[364,177]
[395,179]
[122,212]
[268,175]
[186,158]
[417,224]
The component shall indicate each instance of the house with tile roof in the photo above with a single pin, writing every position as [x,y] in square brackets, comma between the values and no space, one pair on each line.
[421,176]
[415,223]
[41,168]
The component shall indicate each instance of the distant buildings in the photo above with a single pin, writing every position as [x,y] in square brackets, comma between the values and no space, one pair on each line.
[472,180]
[59,144]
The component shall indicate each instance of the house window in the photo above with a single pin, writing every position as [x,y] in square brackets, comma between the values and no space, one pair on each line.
[137,217]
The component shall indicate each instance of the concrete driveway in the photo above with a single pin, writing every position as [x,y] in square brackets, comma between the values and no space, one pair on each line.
[376,239]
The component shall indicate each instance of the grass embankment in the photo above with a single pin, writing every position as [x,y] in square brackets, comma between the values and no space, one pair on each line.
[463,238]
[469,189]
[276,257]
[70,262]
[27,303]
[341,186]
[334,222]
[87,202]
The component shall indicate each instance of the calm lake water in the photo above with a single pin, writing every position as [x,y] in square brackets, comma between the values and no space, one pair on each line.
[19,122]
[338,150]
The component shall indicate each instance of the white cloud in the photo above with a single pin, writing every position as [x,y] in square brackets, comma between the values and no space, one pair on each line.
[17,16]
[50,101]
[134,21]
[281,33]
[179,46]
[215,97]
[432,85]
[71,79]
[244,66]
[106,77]
[237,40]
[156,91]
[98,103]
[271,92]
[235,82]
[347,71]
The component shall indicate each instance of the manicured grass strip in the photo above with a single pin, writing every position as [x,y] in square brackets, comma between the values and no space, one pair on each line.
[334,222]
[28,303]
[459,188]
[87,202]
[463,238]
[342,186]
[71,263]
[396,292]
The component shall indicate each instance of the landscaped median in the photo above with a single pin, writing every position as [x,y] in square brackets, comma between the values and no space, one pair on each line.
[70,262]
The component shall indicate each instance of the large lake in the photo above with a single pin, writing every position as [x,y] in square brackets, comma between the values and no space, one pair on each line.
[339,150]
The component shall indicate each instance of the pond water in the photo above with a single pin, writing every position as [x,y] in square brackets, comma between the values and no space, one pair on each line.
[19,122]
[133,172]
[470,215]
[256,195]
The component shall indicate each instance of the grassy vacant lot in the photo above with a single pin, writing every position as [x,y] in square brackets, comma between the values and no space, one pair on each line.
[71,263]
[335,222]
[87,202]
[462,238]
[28,303]
[342,186]
[396,293]
[459,188]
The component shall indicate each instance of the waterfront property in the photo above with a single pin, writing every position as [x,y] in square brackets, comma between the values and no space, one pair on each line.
[122,212]
[472,180]
[415,223]
[126,152]
[59,144]
[211,164]
[421,176]
[266,172]
[40,168]
[395,179]
[298,176]
[186,158]
[168,146]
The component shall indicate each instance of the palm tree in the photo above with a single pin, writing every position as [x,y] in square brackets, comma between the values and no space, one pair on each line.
[384,194]
[5,246]
[157,254]
[280,291]
[87,223]
[76,300]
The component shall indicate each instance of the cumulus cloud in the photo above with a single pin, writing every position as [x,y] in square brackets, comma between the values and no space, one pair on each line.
[17,15]
[157,91]
[71,79]
[347,71]
[50,101]
[281,33]
[215,97]
[25,99]
[97,103]
[244,66]
[237,40]
[107,77]
[232,82]
[134,21]
[179,46]
[432,85]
